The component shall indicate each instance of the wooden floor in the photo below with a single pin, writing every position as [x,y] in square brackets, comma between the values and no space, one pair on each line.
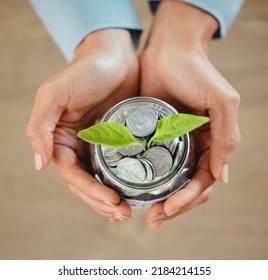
[40,219]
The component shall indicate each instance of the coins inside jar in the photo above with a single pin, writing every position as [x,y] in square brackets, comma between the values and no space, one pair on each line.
[139,180]
[160,158]
[133,150]
[133,164]
[141,122]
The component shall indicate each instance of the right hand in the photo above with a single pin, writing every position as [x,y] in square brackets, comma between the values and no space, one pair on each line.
[175,68]
[104,71]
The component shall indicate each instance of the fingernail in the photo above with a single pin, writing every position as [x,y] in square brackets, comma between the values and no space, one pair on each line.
[224,173]
[120,217]
[173,212]
[38,161]
[107,202]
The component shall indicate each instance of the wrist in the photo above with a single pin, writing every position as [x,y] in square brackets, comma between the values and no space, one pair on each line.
[106,41]
[183,24]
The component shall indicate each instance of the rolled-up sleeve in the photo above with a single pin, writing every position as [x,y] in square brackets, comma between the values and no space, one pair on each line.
[70,21]
[225,11]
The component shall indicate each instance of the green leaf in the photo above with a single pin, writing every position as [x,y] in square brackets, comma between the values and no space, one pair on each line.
[171,127]
[110,134]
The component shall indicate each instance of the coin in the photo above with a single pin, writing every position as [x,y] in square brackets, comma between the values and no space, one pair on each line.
[109,152]
[160,158]
[168,145]
[119,118]
[138,182]
[111,155]
[133,150]
[179,152]
[131,170]
[113,162]
[172,146]
[141,122]
[150,171]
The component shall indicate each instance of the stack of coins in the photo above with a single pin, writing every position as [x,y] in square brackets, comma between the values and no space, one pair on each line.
[135,165]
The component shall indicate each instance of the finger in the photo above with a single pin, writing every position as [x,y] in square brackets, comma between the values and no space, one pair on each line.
[186,196]
[201,180]
[156,226]
[156,212]
[118,213]
[204,197]
[90,202]
[225,135]
[101,209]
[46,112]
[74,174]
[156,215]
[156,223]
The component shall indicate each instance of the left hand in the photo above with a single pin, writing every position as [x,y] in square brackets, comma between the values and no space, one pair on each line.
[104,71]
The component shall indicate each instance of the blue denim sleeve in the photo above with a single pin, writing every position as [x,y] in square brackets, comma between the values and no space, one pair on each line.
[70,21]
[225,11]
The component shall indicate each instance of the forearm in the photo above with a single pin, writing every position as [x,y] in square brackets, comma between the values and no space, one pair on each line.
[69,22]
[181,25]
[114,42]
[225,11]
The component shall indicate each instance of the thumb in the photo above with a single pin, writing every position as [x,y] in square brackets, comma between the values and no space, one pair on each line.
[47,110]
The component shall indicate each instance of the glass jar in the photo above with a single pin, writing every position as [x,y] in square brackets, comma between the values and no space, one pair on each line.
[104,160]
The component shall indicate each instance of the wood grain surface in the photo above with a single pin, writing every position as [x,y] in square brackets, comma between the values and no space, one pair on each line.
[40,219]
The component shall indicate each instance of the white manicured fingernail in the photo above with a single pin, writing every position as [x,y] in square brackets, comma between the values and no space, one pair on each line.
[224,173]
[38,160]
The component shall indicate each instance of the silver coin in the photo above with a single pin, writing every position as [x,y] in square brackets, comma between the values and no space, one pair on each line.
[150,171]
[133,150]
[111,155]
[179,152]
[119,118]
[172,146]
[160,115]
[141,122]
[131,170]
[113,162]
[160,158]
[109,152]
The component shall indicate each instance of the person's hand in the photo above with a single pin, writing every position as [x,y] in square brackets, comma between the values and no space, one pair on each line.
[175,68]
[104,71]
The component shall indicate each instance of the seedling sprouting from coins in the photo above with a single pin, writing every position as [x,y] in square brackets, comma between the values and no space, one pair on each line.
[119,136]
[128,148]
